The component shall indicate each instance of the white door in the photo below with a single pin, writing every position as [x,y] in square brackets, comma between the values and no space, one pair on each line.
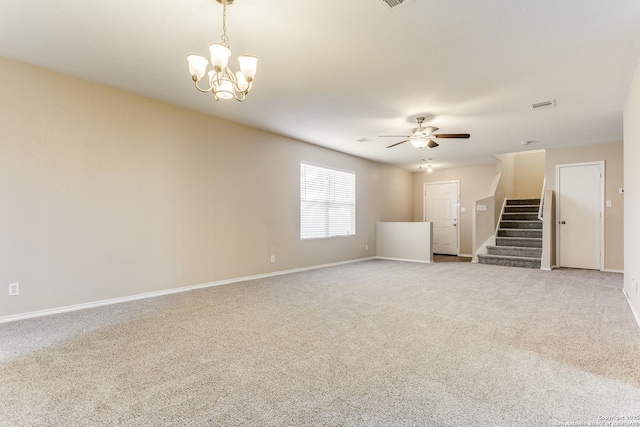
[441,209]
[580,195]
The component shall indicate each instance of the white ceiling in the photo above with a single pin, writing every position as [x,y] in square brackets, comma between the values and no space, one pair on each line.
[334,71]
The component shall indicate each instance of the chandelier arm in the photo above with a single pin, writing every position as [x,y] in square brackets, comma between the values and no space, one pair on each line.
[203,90]
[234,80]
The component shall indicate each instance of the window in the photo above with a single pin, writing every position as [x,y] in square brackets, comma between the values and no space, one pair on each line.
[327,202]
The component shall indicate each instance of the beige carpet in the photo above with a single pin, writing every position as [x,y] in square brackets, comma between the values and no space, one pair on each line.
[376,343]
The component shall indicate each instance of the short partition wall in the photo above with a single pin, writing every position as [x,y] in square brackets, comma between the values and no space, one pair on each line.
[404,241]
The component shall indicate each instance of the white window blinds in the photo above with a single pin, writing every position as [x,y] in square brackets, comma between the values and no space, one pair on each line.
[327,202]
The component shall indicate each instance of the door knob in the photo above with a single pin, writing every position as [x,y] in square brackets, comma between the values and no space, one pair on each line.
[563,222]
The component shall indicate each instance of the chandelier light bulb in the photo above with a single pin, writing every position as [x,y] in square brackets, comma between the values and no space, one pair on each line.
[248,66]
[219,56]
[197,66]
[243,84]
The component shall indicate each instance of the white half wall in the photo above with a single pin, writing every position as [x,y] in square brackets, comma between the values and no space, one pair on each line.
[405,241]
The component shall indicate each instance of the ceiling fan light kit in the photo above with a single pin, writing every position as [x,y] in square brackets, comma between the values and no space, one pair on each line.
[222,82]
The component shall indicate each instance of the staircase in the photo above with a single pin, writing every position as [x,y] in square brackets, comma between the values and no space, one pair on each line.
[519,237]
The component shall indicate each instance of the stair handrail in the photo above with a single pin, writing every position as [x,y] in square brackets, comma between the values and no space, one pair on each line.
[504,204]
[540,209]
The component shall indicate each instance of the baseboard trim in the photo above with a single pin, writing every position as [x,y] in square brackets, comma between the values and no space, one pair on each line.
[466,255]
[546,268]
[85,306]
[635,314]
[606,270]
[404,260]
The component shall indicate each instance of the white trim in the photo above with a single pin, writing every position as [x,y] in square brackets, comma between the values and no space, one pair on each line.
[403,260]
[466,255]
[607,270]
[482,250]
[546,268]
[458,203]
[544,184]
[84,306]
[635,314]
[600,163]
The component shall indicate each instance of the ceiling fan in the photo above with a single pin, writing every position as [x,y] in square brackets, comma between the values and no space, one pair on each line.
[422,136]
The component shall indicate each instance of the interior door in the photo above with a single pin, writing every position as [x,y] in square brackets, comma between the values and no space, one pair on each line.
[441,209]
[580,201]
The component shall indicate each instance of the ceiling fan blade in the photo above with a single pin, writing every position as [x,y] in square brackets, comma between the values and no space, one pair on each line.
[432,144]
[397,143]
[453,135]
[392,136]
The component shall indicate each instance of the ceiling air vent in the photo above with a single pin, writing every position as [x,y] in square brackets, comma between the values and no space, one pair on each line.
[543,104]
[394,3]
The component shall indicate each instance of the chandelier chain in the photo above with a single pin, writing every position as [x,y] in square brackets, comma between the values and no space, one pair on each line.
[225,38]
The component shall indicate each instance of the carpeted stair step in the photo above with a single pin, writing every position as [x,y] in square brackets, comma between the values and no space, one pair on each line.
[511,202]
[519,232]
[525,216]
[521,224]
[515,251]
[519,241]
[510,261]
[521,208]
[518,238]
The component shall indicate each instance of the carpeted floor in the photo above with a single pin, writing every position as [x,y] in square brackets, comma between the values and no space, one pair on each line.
[375,343]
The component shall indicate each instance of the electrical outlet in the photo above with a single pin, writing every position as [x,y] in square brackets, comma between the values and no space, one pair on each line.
[14,289]
[273,258]
[366,247]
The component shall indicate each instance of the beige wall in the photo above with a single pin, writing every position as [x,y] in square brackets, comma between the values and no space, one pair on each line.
[475,183]
[106,194]
[483,225]
[632,194]
[506,188]
[529,170]
[612,154]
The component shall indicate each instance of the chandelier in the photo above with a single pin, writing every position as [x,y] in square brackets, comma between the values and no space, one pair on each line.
[222,82]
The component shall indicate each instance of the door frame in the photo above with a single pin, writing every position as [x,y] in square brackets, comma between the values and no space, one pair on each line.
[600,163]
[424,206]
